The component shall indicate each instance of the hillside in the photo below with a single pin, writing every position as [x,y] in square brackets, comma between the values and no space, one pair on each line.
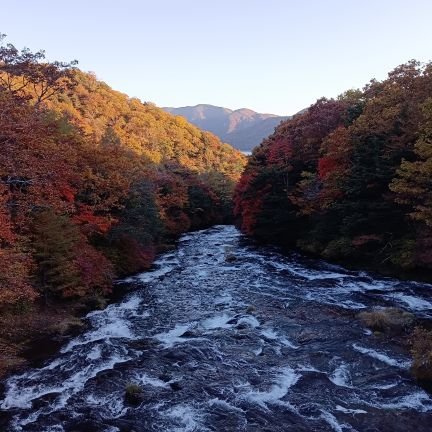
[144,128]
[243,128]
[349,179]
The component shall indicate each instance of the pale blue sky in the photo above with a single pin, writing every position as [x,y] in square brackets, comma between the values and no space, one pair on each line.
[274,56]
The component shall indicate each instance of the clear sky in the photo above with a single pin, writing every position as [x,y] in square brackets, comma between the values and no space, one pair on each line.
[275,56]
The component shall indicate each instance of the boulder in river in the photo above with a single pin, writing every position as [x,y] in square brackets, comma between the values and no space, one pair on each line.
[230,257]
[176,386]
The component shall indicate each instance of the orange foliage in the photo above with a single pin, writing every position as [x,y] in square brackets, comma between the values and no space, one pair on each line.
[15,284]
[91,223]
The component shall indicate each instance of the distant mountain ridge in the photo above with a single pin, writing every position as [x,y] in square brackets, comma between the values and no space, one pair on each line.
[242,128]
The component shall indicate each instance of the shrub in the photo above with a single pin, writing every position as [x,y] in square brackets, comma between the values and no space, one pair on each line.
[68,325]
[339,248]
[421,350]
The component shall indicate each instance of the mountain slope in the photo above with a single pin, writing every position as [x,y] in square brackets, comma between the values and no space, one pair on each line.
[242,128]
[144,128]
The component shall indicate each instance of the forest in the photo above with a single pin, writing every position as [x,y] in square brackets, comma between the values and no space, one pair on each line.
[349,179]
[92,185]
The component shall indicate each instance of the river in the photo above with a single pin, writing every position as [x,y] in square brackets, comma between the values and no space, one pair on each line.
[226,336]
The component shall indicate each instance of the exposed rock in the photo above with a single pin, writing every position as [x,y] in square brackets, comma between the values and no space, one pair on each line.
[176,386]
[230,258]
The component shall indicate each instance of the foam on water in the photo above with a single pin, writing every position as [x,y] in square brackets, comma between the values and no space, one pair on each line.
[271,334]
[362,286]
[307,368]
[187,418]
[341,376]
[56,428]
[415,303]
[418,401]
[224,299]
[112,405]
[23,389]
[382,357]
[258,351]
[280,264]
[324,297]
[95,353]
[224,404]
[349,410]
[155,274]
[332,421]
[313,275]
[172,337]
[284,380]
[266,294]
[385,386]
[249,320]
[112,322]
[148,380]
[216,322]
[103,333]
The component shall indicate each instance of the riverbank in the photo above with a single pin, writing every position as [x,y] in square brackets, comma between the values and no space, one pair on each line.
[31,336]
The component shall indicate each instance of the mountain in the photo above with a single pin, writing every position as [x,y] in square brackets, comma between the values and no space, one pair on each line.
[242,128]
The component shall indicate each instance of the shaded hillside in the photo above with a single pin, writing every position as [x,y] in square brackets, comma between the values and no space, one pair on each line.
[349,179]
[243,128]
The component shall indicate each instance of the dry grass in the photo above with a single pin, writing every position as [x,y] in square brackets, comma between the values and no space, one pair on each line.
[392,320]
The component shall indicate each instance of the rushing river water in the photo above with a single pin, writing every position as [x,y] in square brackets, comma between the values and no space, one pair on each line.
[225,336]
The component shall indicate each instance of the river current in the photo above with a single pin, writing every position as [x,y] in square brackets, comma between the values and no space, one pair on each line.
[226,336]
